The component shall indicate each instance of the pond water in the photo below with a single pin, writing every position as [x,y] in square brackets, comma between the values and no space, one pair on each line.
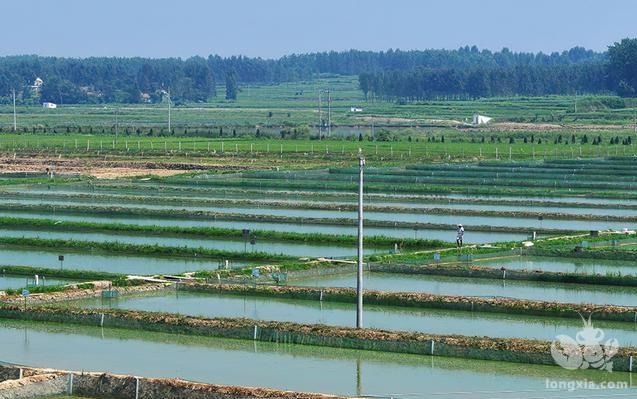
[8,281]
[376,201]
[293,249]
[475,237]
[282,366]
[125,264]
[530,223]
[542,291]
[571,265]
[342,314]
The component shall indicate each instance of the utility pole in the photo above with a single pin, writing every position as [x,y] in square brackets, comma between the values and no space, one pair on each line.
[116,123]
[329,113]
[15,121]
[169,101]
[320,120]
[359,272]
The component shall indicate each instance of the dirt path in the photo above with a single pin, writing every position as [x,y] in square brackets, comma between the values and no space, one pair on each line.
[101,168]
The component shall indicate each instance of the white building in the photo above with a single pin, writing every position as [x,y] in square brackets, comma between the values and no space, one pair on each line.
[355,109]
[480,119]
[49,105]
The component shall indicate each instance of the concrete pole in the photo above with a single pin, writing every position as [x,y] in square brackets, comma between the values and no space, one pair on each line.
[329,113]
[15,120]
[359,274]
[320,124]
[169,121]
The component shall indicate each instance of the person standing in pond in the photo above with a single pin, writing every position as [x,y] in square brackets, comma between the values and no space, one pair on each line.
[459,236]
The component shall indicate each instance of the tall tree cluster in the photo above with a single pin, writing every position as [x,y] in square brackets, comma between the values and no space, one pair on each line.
[394,74]
[507,74]
[454,83]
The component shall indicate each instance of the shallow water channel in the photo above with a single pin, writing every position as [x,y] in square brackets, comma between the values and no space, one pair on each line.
[530,223]
[569,265]
[439,202]
[8,281]
[286,248]
[342,314]
[477,237]
[542,291]
[282,366]
[125,264]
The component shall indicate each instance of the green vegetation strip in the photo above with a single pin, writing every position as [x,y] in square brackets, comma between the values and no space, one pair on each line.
[560,246]
[590,253]
[443,180]
[203,215]
[215,232]
[118,247]
[424,300]
[485,348]
[36,180]
[48,289]
[376,187]
[59,273]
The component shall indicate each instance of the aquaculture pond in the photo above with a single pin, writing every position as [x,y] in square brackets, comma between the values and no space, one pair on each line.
[471,237]
[282,366]
[530,223]
[261,245]
[543,291]
[8,281]
[573,199]
[95,261]
[274,193]
[342,314]
[307,200]
[569,265]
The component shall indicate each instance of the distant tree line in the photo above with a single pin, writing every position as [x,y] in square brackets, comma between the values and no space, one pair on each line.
[526,80]
[573,71]
[393,74]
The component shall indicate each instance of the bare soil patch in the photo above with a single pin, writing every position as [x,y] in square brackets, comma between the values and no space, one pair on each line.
[103,168]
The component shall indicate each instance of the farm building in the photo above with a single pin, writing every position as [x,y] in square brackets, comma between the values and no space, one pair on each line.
[480,119]
[355,109]
[49,105]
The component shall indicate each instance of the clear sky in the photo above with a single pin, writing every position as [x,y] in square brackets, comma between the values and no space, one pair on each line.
[272,28]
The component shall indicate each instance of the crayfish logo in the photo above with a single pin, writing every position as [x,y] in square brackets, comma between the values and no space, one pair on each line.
[587,350]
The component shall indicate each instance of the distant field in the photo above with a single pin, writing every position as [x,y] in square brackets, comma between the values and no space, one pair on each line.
[271,107]
[285,153]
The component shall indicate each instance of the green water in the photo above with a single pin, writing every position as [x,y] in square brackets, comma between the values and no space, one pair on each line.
[282,366]
[15,282]
[422,217]
[341,314]
[477,237]
[265,197]
[587,266]
[542,291]
[261,245]
[125,264]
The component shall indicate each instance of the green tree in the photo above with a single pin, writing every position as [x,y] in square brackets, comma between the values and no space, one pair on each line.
[231,85]
[622,67]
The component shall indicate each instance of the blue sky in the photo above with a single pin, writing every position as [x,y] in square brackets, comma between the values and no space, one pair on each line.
[271,28]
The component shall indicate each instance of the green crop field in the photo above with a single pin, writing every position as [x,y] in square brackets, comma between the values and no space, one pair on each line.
[295,105]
